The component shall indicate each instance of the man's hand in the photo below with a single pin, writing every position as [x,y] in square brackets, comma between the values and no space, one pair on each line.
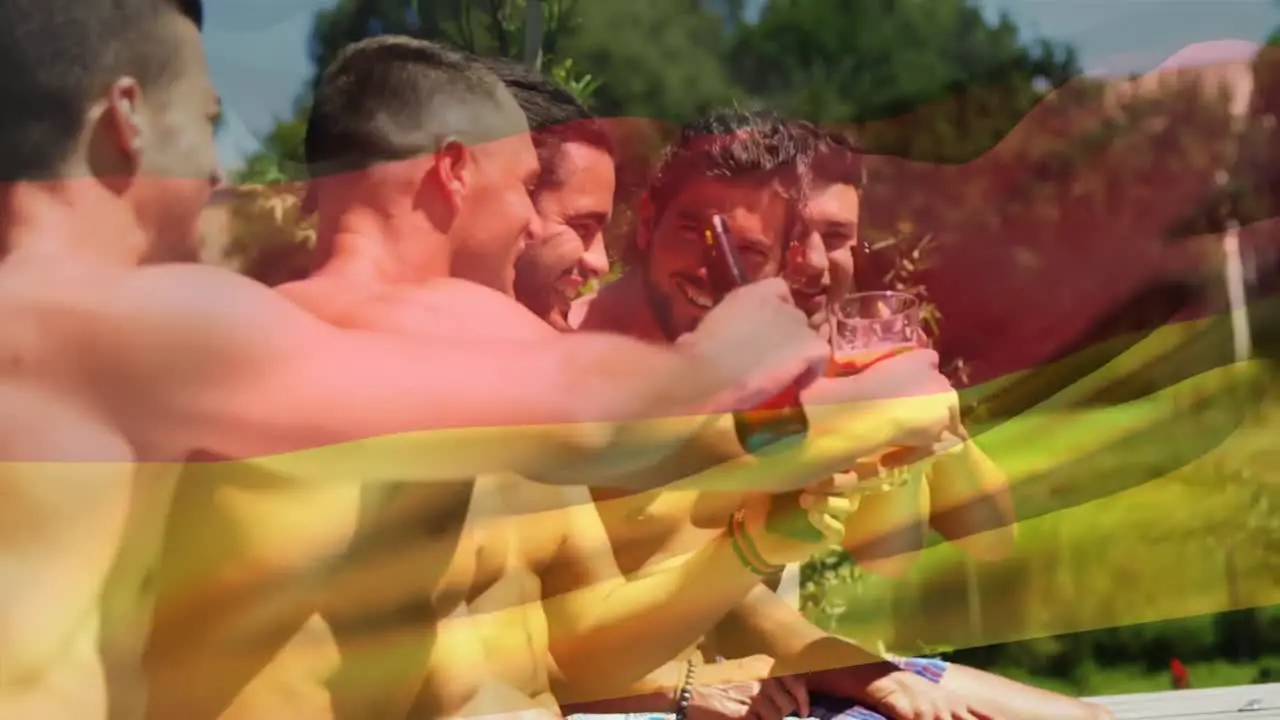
[903,695]
[826,513]
[743,689]
[919,405]
[759,343]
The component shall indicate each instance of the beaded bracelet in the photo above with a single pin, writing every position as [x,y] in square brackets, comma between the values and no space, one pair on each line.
[685,696]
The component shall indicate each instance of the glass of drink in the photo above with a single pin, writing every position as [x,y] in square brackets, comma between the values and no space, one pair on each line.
[869,327]
[889,528]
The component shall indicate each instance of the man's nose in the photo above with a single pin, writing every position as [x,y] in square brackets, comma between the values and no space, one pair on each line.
[595,261]
[808,258]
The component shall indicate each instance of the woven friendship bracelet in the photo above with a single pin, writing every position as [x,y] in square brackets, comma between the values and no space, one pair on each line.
[746,549]
[737,531]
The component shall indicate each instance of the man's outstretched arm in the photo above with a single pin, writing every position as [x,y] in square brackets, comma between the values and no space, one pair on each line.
[972,504]
[598,618]
[221,359]
[764,624]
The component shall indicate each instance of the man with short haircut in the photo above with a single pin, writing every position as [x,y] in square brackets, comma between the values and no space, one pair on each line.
[422,246]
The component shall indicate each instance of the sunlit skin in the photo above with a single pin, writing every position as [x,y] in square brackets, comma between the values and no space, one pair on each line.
[397,231]
[383,279]
[552,272]
[82,537]
[499,221]
[820,264]
[760,219]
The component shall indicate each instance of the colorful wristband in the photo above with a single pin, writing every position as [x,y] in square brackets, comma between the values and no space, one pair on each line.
[746,549]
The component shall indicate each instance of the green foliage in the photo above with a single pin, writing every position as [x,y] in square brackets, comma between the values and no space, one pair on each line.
[869,61]
[489,27]
[829,570]
[660,59]
[1021,175]
[583,85]
[280,158]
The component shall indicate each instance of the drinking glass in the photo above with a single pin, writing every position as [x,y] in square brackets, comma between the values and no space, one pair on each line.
[868,327]
[889,526]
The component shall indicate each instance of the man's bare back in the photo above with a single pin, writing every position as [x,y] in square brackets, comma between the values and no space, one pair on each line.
[64,520]
[391,590]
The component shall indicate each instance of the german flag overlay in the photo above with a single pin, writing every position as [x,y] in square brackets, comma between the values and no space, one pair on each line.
[1100,283]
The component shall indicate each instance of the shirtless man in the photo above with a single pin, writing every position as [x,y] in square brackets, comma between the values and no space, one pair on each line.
[108,156]
[393,233]
[766,637]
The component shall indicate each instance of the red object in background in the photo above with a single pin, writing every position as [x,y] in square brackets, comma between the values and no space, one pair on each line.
[1178,673]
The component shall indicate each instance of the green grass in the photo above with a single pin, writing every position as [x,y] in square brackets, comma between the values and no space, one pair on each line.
[1129,680]
[1153,552]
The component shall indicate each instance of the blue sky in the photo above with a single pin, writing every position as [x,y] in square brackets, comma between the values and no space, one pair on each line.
[258,48]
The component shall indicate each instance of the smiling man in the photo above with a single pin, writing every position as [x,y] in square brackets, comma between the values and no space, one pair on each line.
[791,196]
[573,194]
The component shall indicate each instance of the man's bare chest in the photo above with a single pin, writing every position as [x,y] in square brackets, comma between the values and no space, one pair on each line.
[646,532]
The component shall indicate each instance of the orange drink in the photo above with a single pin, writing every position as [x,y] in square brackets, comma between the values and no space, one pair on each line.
[889,526]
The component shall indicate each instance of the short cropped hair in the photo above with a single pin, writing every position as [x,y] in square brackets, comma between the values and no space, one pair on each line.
[554,114]
[732,143]
[392,96]
[58,56]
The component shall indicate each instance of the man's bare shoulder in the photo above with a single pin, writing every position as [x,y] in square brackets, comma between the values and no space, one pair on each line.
[182,290]
[87,324]
[445,307]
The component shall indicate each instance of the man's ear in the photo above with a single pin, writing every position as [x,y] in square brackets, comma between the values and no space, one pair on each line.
[122,122]
[453,170]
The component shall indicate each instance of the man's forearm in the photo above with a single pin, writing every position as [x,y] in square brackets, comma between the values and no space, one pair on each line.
[764,624]
[613,427]
[836,666]
[224,649]
[972,503]
[656,692]
[695,443]
[613,627]
[672,420]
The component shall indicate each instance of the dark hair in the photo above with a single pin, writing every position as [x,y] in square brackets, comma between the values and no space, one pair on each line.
[58,56]
[838,158]
[394,96]
[729,143]
[732,143]
[555,116]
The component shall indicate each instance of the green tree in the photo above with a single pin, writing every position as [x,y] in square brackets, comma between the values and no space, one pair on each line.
[484,27]
[659,59]
[871,60]
[279,157]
